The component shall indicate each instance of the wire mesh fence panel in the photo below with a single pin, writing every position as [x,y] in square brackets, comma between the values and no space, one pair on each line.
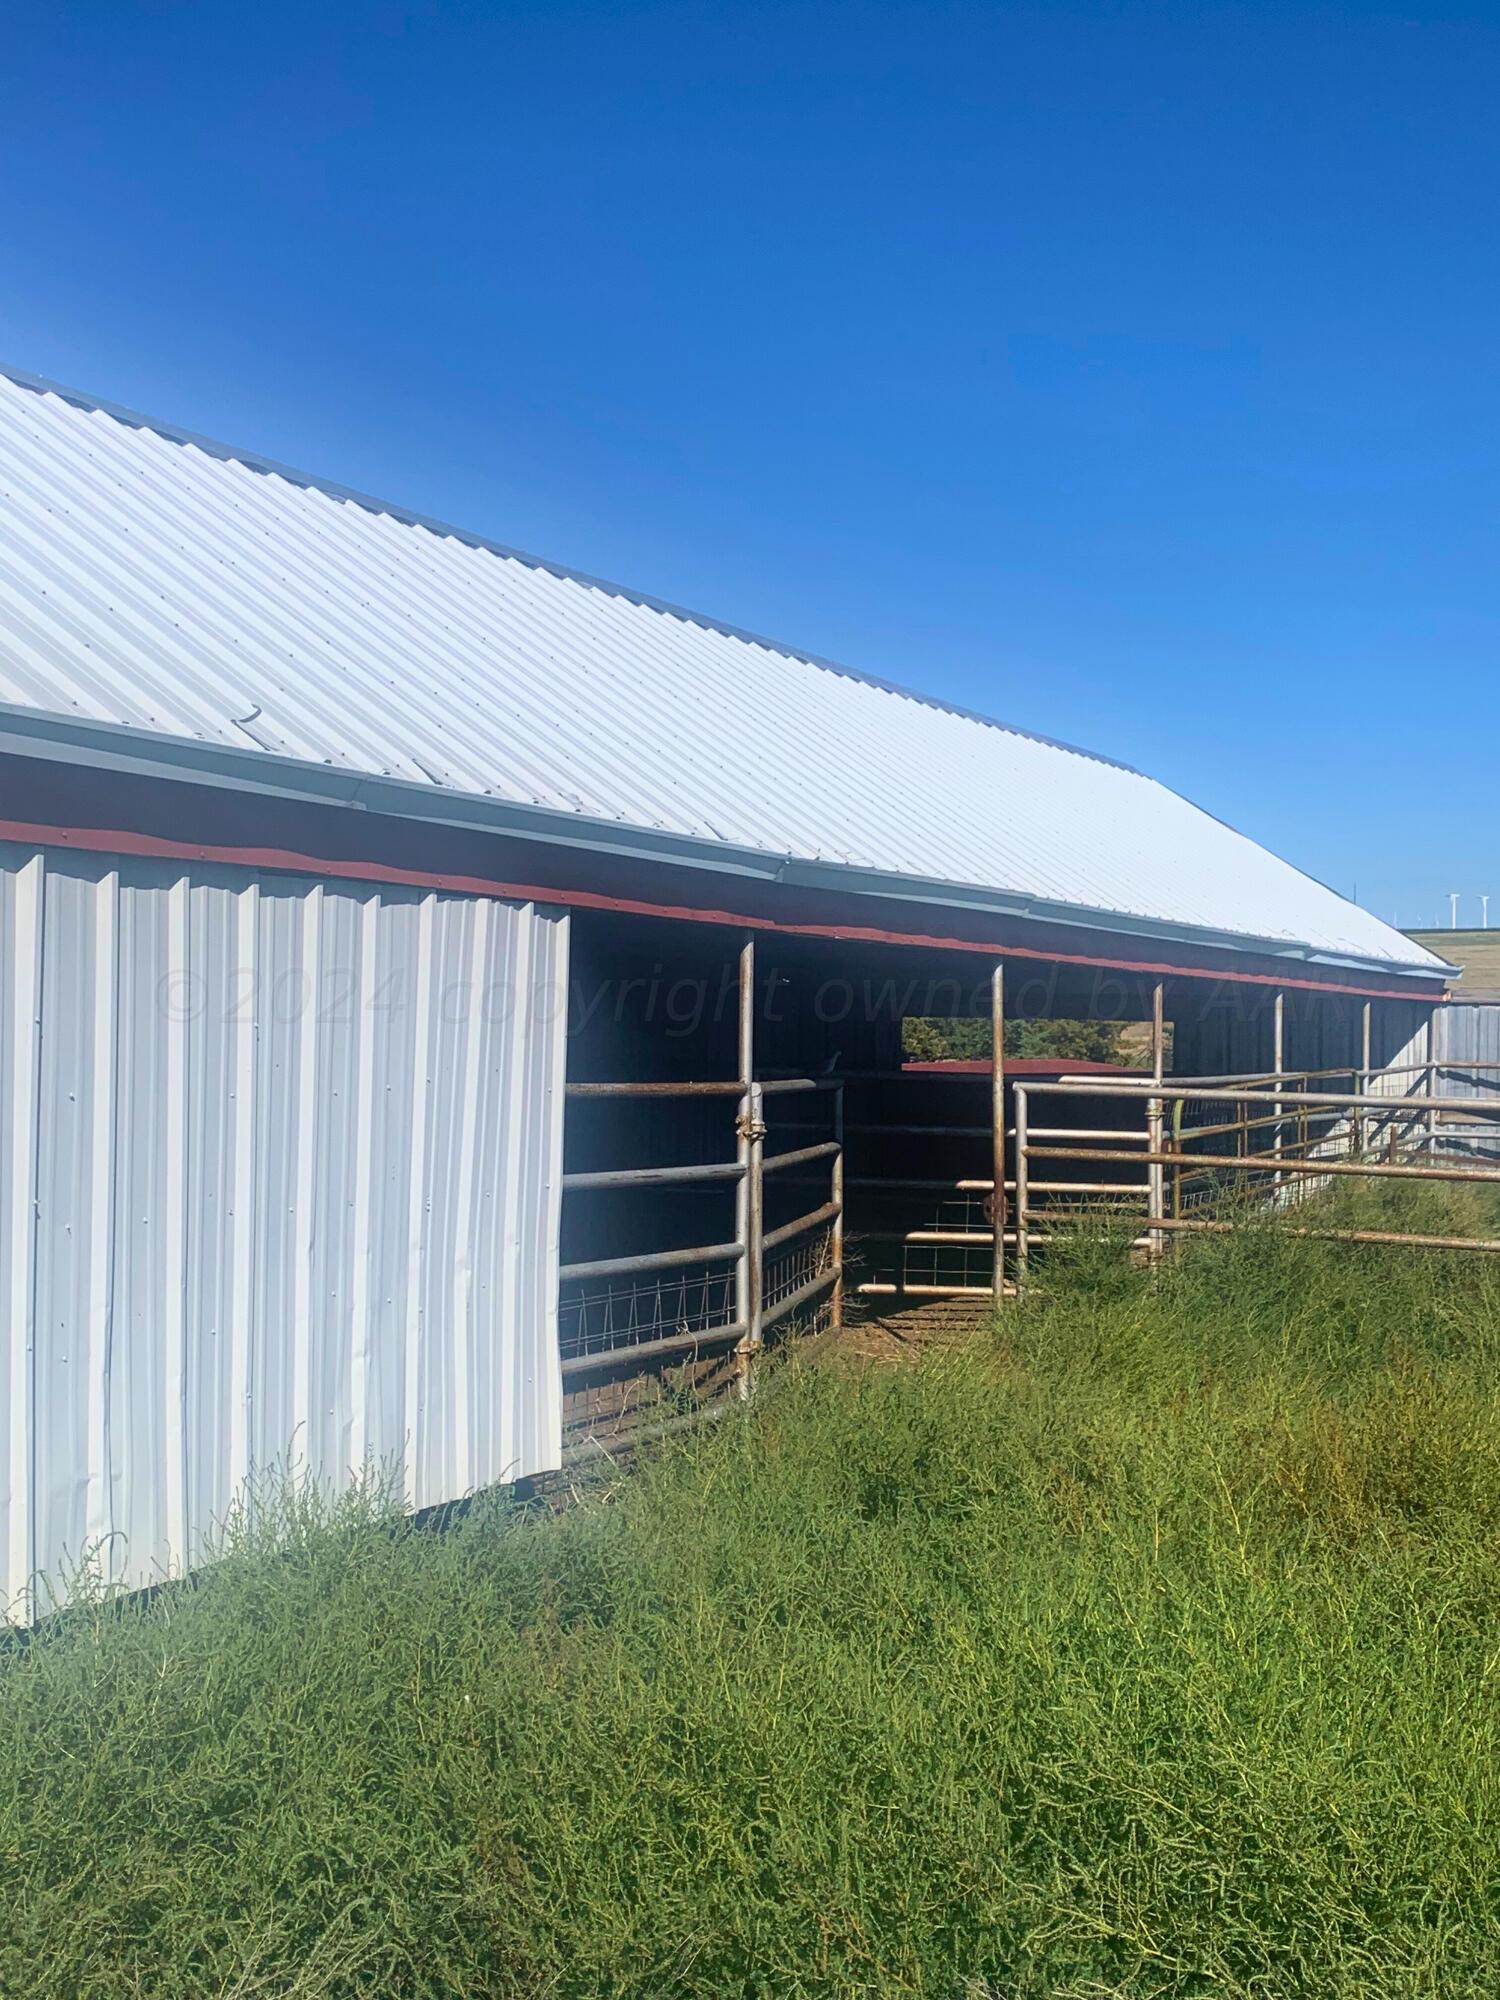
[604,1318]
[797,1264]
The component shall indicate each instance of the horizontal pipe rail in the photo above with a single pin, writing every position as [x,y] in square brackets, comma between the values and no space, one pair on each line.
[652,1260]
[1206,1086]
[1487,1244]
[605,1359]
[824,1281]
[803,1224]
[958,1239]
[971,1077]
[611,1177]
[1176,1092]
[964,1239]
[1281,1163]
[628,1089]
[1196,1132]
[775,1162]
[988,1187]
[1438,1062]
[1315,1137]
[1122,1133]
[724,1088]
[630,1436]
[881,1291]
[907,1076]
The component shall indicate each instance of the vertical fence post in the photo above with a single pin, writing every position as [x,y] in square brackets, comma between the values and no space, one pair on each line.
[1155,1172]
[997,1128]
[836,1194]
[755,1261]
[1432,1081]
[1023,1190]
[1360,1128]
[746,1277]
[1278,1064]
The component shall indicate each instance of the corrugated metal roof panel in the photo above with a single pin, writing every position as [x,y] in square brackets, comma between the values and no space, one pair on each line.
[172,586]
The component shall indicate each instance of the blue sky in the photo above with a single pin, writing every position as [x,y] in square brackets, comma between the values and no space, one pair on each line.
[1127,371]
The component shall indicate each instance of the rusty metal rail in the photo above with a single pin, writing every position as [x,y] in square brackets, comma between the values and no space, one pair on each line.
[653,1260]
[1314,1138]
[616,1177]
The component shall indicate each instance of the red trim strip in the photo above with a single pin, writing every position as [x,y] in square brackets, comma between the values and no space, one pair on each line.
[101,840]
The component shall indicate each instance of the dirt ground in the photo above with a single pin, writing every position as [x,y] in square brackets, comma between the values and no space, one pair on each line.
[892,1331]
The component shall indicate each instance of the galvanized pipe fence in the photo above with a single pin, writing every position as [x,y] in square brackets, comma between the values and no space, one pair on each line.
[751,1248]
[1199,1147]
[736,1290]
[1276,1139]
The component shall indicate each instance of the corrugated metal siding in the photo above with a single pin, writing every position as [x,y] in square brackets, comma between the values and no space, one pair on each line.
[279,1184]
[1469,1033]
[1462,1033]
[150,584]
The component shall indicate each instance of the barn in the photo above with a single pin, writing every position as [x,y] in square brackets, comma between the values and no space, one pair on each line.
[441,992]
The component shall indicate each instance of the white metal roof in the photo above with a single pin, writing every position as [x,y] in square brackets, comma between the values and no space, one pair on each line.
[172,587]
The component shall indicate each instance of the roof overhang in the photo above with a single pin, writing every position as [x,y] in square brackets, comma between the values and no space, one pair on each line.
[102,746]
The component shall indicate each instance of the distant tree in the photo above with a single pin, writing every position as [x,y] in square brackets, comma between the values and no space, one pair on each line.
[934,1040]
[1070,1041]
[930,1040]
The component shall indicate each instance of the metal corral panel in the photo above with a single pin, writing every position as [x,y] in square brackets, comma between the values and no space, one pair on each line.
[189,591]
[280,1177]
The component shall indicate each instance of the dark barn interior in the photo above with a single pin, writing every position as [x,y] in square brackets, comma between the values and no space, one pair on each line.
[877,1171]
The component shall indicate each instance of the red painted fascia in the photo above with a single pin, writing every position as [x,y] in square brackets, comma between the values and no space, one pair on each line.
[120,840]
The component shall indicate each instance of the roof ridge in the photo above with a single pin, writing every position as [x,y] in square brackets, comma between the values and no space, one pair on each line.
[257,462]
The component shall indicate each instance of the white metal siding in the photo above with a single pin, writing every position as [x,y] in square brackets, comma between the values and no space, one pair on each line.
[155,586]
[1464,1031]
[1469,1031]
[280,1178]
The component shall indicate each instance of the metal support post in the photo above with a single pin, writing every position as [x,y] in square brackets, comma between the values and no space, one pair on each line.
[997,1128]
[748,1194]
[836,1195]
[1155,1178]
[1360,1128]
[1433,1114]
[1278,1064]
[1023,1191]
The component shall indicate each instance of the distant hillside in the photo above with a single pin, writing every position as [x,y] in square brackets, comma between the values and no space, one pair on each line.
[1478,952]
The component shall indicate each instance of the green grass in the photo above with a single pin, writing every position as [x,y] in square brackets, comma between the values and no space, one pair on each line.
[1148,1647]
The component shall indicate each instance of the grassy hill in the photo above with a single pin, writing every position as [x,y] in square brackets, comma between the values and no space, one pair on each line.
[1478,952]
